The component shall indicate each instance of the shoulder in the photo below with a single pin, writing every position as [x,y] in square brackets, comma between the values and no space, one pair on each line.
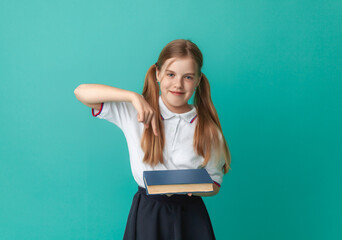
[120,113]
[121,106]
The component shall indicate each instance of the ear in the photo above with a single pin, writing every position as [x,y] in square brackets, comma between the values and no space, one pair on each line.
[157,75]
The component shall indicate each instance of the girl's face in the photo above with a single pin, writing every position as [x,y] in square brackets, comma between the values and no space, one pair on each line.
[177,83]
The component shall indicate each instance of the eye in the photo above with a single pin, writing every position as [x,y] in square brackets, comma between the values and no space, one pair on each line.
[170,74]
[189,77]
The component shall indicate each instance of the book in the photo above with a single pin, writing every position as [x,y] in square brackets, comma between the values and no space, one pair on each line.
[180,181]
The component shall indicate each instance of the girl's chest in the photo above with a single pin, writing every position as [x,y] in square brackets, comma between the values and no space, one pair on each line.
[179,150]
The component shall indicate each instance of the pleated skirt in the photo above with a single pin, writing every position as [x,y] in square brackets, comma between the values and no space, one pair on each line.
[159,217]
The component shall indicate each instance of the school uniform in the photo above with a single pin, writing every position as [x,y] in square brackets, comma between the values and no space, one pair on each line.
[159,217]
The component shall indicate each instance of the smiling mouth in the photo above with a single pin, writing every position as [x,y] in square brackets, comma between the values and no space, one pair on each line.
[177,93]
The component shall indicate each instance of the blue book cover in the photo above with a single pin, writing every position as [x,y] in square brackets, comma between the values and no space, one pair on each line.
[178,177]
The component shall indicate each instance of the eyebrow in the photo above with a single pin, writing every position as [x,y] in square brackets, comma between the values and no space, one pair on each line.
[184,74]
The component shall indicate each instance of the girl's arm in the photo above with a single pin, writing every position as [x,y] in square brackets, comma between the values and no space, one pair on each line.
[99,93]
[93,95]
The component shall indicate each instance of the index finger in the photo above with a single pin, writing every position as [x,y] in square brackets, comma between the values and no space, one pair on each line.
[154,125]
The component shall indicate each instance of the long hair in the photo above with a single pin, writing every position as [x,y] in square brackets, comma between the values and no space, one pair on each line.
[208,132]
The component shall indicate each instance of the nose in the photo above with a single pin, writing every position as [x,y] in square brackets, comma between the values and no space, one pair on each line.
[179,82]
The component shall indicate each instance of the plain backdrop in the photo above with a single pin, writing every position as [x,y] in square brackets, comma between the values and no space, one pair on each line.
[275,74]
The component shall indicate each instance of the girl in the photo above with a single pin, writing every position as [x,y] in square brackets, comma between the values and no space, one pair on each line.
[163,131]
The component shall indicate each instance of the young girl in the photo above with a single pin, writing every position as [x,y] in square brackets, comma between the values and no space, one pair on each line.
[163,131]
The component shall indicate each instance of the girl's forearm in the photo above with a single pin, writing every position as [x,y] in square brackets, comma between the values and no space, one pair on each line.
[98,93]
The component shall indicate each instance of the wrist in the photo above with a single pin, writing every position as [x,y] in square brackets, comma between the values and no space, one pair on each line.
[132,96]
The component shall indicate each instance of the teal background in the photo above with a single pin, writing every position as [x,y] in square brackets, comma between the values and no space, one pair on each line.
[275,74]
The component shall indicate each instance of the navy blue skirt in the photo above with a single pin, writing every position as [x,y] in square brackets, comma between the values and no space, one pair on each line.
[159,217]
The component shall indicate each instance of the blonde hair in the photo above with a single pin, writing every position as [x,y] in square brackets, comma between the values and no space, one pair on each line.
[208,131]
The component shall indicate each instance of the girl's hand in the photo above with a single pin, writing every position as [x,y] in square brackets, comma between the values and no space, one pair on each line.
[146,114]
[169,195]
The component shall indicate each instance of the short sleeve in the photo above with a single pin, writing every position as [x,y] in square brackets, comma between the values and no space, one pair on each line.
[215,165]
[118,113]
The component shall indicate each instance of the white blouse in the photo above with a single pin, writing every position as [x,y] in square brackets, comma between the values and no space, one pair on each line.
[179,133]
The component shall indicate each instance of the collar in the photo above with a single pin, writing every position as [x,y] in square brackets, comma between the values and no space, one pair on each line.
[167,114]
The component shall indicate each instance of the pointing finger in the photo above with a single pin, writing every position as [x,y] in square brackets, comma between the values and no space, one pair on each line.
[148,119]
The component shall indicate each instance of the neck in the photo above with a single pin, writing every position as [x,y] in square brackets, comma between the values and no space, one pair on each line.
[183,109]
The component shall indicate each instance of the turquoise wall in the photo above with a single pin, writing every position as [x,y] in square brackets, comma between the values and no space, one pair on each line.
[276,79]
